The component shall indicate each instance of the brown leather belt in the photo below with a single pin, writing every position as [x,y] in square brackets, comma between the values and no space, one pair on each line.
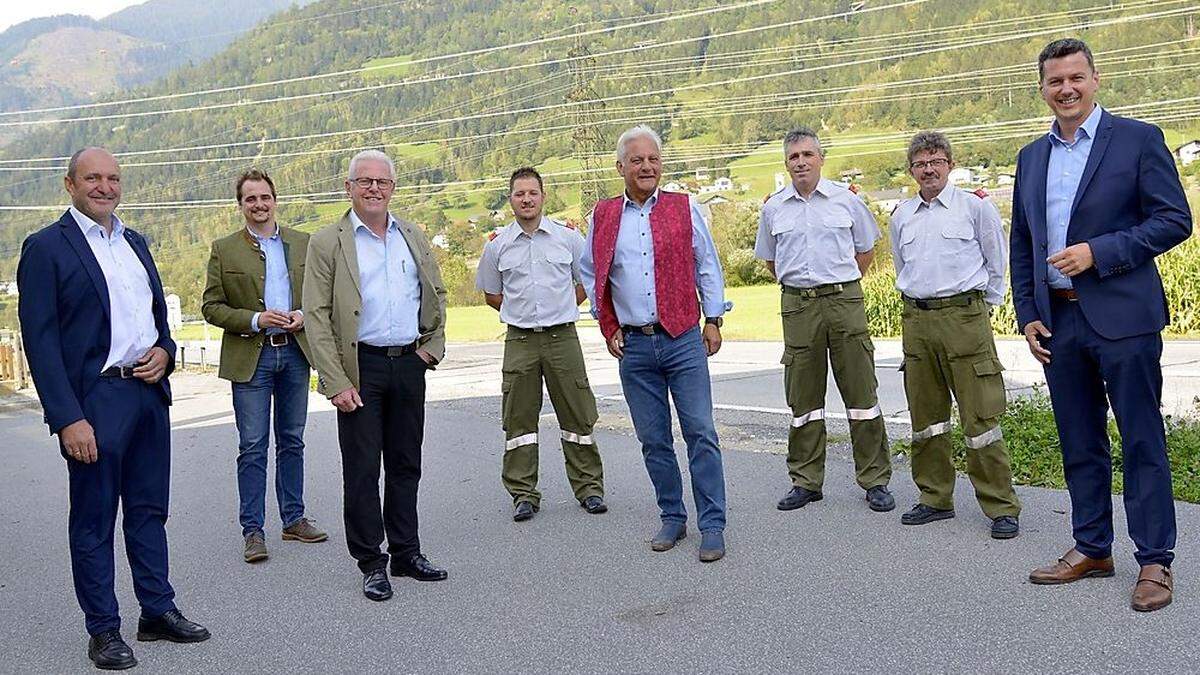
[392,352]
[1067,294]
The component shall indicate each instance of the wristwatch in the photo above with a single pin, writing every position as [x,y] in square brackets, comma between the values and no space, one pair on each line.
[717,321]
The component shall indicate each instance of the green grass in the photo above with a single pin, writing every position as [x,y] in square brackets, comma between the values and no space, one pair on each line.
[402,66]
[1032,440]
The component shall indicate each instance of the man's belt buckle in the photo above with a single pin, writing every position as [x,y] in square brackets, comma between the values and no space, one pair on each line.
[648,329]
[922,304]
[393,352]
[538,329]
[277,339]
[126,372]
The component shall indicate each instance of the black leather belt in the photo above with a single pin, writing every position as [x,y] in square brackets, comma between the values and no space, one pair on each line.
[648,329]
[278,339]
[544,329]
[123,372]
[960,300]
[391,352]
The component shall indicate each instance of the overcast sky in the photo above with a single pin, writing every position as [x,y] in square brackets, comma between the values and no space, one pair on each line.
[15,12]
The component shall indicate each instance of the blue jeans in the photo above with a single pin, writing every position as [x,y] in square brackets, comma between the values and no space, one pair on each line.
[282,372]
[652,366]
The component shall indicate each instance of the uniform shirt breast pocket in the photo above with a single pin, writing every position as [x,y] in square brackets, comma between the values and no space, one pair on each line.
[836,232]
[781,226]
[910,245]
[559,258]
[959,251]
[513,266]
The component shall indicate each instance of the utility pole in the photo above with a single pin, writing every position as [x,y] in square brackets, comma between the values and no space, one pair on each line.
[589,143]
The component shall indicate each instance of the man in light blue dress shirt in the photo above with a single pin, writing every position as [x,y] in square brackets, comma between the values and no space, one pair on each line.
[651,326]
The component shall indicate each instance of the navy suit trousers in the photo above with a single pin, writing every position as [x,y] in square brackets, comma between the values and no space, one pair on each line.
[133,438]
[1086,373]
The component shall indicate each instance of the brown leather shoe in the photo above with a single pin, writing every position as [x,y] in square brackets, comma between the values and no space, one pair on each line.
[1073,566]
[303,530]
[1153,589]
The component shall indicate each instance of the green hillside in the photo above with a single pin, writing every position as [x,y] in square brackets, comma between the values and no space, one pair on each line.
[722,87]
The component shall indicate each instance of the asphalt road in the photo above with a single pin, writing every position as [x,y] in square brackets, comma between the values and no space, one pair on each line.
[829,587]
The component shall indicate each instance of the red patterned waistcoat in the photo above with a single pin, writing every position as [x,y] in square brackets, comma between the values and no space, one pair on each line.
[674,263]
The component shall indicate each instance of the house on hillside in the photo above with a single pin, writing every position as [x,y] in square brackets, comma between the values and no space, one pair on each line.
[439,240]
[702,173]
[713,199]
[887,200]
[9,287]
[1006,178]
[1188,152]
[851,175]
[723,183]
[674,187]
[961,175]
[780,181]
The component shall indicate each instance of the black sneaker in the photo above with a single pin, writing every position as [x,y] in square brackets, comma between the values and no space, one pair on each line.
[1005,527]
[921,514]
[523,511]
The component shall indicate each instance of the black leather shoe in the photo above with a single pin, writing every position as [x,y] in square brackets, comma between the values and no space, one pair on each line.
[376,585]
[594,504]
[417,567]
[1005,527]
[109,652]
[921,514]
[523,511]
[797,497]
[171,626]
[879,499]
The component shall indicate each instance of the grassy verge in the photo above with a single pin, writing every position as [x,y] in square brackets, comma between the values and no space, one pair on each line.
[1032,440]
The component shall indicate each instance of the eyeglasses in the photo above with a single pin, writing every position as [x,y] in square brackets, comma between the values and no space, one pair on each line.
[935,163]
[366,183]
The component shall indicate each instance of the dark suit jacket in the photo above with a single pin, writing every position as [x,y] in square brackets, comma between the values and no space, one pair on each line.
[236,279]
[64,312]
[1130,207]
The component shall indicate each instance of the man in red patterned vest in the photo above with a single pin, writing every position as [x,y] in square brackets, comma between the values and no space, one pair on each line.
[647,255]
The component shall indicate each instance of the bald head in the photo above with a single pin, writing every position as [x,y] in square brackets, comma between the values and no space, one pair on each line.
[94,182]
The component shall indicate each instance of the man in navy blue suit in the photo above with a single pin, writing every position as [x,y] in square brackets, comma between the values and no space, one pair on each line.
[94,324]
[1095,201]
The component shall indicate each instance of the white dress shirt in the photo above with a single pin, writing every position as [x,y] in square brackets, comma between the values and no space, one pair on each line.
[390,285]
[130,300]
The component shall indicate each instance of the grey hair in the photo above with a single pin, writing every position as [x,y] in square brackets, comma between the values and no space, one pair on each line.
[800,133]
[640,131]
[371,156]
[929,141]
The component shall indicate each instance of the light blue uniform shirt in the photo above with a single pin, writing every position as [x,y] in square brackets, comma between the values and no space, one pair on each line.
[130,300]
[1065,169]
[631,276]
[813,241]
[536,273]
[277,288]
[390,286]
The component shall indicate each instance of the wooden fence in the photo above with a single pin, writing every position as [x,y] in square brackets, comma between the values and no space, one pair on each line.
[14,369]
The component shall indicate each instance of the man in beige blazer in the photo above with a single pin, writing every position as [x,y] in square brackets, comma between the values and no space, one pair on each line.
[375,308]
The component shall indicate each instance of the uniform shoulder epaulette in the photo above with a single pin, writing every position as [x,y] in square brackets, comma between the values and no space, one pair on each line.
[493,234]
[772,194]
[564,223]
[981,193]
[853,187]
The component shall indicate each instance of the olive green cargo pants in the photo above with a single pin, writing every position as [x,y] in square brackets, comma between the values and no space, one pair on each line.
[552,355]
[949,349]
[823,325]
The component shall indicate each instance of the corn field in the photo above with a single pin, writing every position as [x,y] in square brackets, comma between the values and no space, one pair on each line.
[1179,267]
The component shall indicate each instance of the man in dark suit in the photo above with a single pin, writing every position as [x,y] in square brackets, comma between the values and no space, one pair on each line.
[94,324]
[1094,202]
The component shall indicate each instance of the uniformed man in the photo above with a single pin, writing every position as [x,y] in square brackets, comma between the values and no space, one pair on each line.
[817,238]
[529,272]
[949,252]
